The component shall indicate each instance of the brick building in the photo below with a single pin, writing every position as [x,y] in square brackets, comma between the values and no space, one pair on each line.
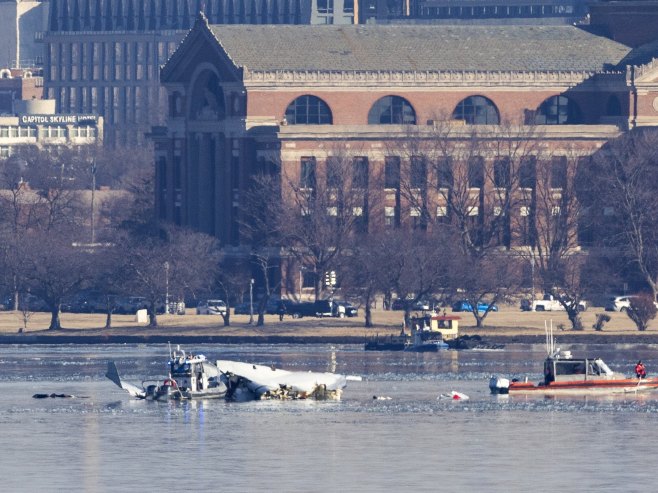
[362,88]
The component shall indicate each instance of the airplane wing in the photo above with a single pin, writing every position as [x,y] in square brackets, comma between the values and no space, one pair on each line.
[113,374]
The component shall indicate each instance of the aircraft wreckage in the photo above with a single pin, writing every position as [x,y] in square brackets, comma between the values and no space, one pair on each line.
[192,376]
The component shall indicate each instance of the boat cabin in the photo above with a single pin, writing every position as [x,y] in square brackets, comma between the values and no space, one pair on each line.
[188,371]
[567,369]
[446,325]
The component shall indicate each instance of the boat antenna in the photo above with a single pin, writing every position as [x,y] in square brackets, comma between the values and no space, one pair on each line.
[550,340]
[170,355]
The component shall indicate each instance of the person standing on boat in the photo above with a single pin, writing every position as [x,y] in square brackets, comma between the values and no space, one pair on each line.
[640,370]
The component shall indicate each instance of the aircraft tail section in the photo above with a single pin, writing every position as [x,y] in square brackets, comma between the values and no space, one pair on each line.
[113,375]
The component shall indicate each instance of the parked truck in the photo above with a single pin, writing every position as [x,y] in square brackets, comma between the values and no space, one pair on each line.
[548,304]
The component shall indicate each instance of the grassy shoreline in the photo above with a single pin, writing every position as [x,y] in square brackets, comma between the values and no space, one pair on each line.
[507,326]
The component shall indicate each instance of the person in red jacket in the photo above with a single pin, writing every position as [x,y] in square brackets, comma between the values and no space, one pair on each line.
[640,370]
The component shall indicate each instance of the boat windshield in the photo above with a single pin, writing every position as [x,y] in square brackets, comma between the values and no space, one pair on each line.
[180,368]
[570,367]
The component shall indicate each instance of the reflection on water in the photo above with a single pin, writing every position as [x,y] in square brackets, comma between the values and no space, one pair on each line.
[105,441]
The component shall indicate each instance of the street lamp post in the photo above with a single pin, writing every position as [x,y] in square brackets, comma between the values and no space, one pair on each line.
[93,191]
[166,267]
[532,273]
[251,301]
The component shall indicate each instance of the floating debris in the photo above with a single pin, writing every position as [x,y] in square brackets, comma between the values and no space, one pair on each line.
[45,396]
[455,396]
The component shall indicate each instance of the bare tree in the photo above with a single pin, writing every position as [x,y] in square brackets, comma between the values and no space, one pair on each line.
[53,268]
[619,186]
[307,220]
[179,260]
[641,311]
[467,183]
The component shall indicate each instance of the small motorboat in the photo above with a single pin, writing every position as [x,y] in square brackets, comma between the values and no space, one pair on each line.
[191,376]
[429,333]
[566,375]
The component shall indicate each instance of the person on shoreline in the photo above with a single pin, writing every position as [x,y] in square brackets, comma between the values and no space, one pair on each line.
[640,370]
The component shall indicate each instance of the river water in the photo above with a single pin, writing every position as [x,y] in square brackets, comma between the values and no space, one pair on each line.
[103,440]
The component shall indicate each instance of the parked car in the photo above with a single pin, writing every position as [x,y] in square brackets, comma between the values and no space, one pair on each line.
[131,304]
[621,303]
[420,305]
[211,307]
[324,308]
[243,309]
[550,304]
[618,303]
[466,306]
[348,310]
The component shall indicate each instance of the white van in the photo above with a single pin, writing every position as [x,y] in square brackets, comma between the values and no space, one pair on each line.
[211,307]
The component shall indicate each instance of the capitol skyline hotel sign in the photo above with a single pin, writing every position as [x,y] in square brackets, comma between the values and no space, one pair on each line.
[58,119]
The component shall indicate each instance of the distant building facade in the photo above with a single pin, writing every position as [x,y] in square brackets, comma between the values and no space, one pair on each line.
[104,56]
[22,23]
[36,124]
[499,12]
[19,85]
[290,94]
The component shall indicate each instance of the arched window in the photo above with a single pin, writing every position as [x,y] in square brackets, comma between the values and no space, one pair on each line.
[558,110]
[308,110]
[207,98]
[477,110]
[613,108]
[392,110]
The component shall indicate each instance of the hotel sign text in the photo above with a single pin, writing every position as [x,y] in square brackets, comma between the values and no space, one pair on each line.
[59,119]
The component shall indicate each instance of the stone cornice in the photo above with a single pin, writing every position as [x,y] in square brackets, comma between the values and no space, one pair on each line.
[640,72]
[415,78]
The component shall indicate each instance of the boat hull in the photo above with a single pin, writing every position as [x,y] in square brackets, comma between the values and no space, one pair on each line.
[617,386]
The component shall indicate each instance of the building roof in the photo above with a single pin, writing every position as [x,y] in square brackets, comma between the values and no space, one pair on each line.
[642,54]
[417,48]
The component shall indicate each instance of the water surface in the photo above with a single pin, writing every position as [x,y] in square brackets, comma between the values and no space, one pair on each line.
[415,441]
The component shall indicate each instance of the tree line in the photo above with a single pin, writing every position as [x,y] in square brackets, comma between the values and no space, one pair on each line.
[482,217]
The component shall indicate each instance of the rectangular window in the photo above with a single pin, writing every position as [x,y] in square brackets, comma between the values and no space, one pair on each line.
[334,176]
[307,175]
[326,6]
[348,6]
[476,172]
[360,173]
[444,174]
[559,172]
[527,172]
[392,172]
[418,173]
[308,279]
[502,175]
[392,216]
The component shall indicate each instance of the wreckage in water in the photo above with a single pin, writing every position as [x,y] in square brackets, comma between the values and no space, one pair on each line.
[194,377]
[246,381]
[191,376]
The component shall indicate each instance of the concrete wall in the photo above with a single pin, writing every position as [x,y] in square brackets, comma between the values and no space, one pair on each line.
[20,21]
